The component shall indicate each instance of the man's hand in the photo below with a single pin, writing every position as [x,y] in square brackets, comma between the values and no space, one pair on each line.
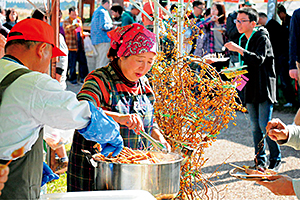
[3,176]
[279,185]
[293,73]
[277,130]
[132,121]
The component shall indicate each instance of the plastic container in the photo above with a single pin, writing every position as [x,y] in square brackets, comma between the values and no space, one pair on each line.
[103,195]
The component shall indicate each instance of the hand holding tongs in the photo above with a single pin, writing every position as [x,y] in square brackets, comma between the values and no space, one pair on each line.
[154,142]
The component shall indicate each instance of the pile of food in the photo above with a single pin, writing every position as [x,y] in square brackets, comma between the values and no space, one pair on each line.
[129,156]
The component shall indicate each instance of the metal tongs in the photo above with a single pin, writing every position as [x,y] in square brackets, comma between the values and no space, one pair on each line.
[159,146]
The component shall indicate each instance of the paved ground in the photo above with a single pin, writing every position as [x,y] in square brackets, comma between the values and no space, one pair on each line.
[237,140]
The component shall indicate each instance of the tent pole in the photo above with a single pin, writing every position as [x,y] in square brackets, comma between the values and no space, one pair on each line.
[272,6]
[180,21]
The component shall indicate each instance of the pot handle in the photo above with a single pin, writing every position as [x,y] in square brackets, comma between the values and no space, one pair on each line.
[89,157]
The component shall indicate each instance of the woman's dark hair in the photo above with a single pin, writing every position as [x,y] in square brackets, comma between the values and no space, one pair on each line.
[251,12]
[221,11]
[117,8]
[7,15]
[112,53]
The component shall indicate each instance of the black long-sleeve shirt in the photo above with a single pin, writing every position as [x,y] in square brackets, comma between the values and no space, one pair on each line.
[294,43]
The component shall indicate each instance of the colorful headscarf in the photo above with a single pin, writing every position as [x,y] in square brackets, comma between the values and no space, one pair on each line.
[132,39]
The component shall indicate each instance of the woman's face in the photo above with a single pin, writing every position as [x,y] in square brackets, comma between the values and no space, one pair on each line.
[214,10]
[13,15]
[136,66]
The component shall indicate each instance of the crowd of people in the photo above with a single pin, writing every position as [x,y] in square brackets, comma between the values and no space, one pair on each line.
[116,100]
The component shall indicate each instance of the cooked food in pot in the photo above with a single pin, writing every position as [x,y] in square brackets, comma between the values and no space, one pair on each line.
[128,156]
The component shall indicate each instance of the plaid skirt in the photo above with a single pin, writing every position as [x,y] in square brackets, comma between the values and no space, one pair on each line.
[80,175]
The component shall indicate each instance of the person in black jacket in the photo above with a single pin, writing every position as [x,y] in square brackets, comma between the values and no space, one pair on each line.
[260,91]
[280,43]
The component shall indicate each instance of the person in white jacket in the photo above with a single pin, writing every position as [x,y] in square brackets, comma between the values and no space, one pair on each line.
[288,135]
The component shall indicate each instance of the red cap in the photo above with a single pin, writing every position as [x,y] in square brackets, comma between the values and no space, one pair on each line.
[34,30]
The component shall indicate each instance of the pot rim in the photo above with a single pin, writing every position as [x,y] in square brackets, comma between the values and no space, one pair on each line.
[180,158]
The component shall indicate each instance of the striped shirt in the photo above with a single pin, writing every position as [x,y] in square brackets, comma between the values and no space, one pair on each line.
[105,89]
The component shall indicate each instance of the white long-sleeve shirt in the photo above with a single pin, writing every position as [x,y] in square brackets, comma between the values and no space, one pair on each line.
[294,141]
[33,100]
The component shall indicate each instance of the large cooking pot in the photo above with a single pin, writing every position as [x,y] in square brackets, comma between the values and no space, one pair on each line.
[162,180]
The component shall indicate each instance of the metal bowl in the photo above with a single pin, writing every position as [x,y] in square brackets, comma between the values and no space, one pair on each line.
[161,179]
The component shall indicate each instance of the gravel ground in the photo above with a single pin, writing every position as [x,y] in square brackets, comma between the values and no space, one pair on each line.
[237,142]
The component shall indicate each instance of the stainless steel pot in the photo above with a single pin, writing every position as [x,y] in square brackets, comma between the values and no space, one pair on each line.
[162,180]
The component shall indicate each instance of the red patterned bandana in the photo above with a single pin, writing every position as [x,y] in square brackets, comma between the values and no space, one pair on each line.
[132,39]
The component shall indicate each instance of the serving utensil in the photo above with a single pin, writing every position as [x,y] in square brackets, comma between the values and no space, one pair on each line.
[260,146]
[159,146]
[262,140]
[238,167]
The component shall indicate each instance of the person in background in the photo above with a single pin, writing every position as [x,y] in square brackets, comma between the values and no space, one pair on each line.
[2,16]
[61,164]
[123,91]
[116,12]
[61,27]
[289,136]
[11,18]
[198,8]
[285,18]
[39,100]
[129,17]
[149,8]
[256,52]
[196,16]
[215,27]
[74,40]
[294,45]
[100,25]
[231,30]
[202,41]
[280,44]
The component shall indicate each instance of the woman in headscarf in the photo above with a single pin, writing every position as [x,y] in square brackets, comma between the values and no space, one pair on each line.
[122,89]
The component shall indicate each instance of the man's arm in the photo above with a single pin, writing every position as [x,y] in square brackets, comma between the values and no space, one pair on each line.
[293,42]
[105,22]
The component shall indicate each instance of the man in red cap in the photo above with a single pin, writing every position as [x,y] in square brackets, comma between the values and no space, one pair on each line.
[30,99]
